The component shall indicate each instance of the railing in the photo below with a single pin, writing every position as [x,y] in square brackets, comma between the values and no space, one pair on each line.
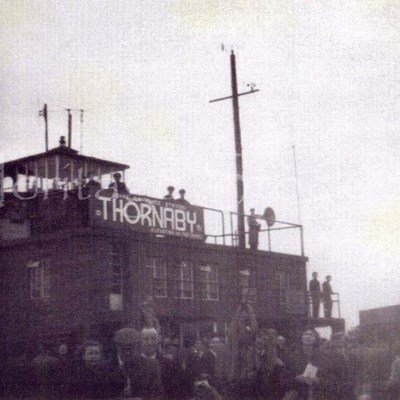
[335,305]
[265,236]
[57,209]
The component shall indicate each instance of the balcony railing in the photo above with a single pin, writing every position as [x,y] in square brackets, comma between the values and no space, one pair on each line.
[26,213]
[335,306]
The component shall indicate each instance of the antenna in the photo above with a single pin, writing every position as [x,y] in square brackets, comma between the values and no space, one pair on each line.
[81,111]
[81,129]
[43,113]
[69,127]
[238,147]
[297,184]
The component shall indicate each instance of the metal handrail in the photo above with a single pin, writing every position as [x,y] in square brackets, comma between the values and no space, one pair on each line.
[335,300]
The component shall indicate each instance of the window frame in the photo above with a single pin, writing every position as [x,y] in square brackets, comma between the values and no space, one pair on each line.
[39,279]
[207,283]
[158,264]
[250,286]
[182,264]
[116,288]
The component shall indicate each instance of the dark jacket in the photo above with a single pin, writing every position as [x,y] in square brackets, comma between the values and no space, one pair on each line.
[315,288]
[93,382]
[145,376]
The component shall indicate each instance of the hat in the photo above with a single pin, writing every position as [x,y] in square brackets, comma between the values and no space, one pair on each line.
[126,337]
[170,188]
[182,191]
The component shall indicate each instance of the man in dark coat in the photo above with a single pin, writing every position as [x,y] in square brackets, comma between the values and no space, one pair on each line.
[170,194]
[118,185]
[327,296]
[172,373]
[199,360]
[254,228]
[182,199]
[315,293]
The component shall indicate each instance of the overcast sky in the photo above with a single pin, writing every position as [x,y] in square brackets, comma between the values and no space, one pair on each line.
[144,71]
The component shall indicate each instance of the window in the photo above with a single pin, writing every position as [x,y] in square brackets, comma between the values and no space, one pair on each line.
[156,277]
[117,263]
[185,280]
[39,275]
[209,282]
[247,286]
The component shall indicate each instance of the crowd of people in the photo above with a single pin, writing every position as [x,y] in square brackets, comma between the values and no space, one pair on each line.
[251,364]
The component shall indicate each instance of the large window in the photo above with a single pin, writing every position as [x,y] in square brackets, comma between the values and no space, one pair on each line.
[209,282]
[247,286]
[39,275]
[185,280]
[117,264]
[156,277]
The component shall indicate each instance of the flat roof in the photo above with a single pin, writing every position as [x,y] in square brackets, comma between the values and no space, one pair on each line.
[381,315]
[27,163]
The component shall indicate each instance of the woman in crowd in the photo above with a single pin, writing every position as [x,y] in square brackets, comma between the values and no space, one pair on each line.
[303,367]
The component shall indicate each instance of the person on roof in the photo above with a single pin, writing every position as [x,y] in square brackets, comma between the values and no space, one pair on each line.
[170,194]
[254,228]
[117,185]
[182,199]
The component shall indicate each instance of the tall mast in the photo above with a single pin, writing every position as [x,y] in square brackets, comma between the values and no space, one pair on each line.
[238,149]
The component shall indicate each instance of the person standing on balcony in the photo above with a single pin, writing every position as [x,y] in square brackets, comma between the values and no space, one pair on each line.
[315,293]
[118,186]
[327,296]
[254,228]
[182,199]
[170,194]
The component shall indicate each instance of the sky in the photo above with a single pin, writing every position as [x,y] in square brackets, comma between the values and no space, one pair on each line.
[144,72]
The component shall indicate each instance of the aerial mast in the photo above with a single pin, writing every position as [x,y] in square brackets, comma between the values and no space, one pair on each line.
[43,113]
[69,128]
[238,148]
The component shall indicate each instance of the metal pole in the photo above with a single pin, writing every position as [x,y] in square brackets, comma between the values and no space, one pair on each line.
[222,220]
[46,133]
[301,240]
[69,128]
[231,220]
[239,160]
[269,239]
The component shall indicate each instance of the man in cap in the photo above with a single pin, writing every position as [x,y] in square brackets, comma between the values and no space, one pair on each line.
[127,342]
[327,296]
[315,293]
[172,372]
[117,185]
[254,228]
[141,372]
[144,372]
[182,199]
[170,194]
